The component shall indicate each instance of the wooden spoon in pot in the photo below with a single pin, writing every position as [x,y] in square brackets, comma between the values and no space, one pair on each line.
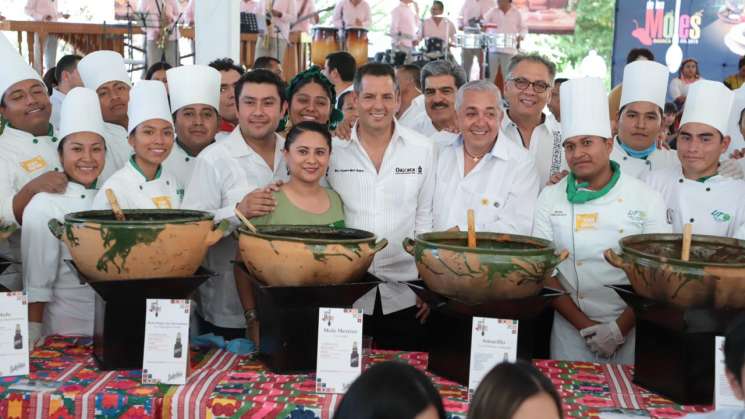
[118,213]
[245,221]
[471,229]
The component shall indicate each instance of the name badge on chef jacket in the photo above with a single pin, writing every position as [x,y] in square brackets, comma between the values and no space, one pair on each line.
[162,202]
[585,221]
[34,165]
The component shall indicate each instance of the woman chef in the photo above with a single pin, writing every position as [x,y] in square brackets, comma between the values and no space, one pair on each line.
[586,213]
[58,303]
[142,183]
[696,192]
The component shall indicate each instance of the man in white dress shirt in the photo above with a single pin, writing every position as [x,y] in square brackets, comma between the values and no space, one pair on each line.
[385,176]
[492,175]
[104,72]
[441,80]
[527,90]
[339,68]
[233,173]
[194,91]
[67,77]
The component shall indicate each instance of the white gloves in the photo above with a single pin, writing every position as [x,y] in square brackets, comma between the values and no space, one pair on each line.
[603,339]
[35,337]
[732,168]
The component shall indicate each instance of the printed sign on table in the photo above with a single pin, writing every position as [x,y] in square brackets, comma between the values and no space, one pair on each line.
[492,341]
[339,349]
[724,398]
[166,341]
[13,334]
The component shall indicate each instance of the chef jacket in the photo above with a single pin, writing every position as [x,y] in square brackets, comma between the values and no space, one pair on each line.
[180,163]
[502,189]
[715,206]
[224,173]
[46,276]
[394,203]
[134,191]
[659,159]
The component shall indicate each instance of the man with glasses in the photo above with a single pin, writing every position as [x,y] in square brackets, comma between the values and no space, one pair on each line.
[527,90]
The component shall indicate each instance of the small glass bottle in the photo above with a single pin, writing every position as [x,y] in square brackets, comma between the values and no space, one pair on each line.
[177,348]
[18,338]
[354,361]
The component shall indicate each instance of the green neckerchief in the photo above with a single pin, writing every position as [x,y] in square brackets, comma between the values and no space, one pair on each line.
[705,178]
[137,167]
[50,131]
[578,194]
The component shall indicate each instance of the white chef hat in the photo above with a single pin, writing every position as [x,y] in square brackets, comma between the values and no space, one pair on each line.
[81,113]
[102,67]
[584,108]
[708,102]
[148,100]
[644,81]
[193,84]
[13,68]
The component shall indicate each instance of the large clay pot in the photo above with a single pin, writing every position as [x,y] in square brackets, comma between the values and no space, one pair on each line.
[714,275]
[286,255]
[502,266]
[161,243]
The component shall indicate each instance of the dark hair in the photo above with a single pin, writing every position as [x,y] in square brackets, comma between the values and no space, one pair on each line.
[560,80]
[389,390]
[307,126]
[61,144]
[660,112]
[414,71]
[160,65]
[375,70]
[264,62]
[734,348]
[686,61]
[260,76]
[344,63]
[635,53]
[741,62]
[66,64]
[342,99]
[438,3]
[314,75]
[506,387]
[49,80]
[443,68]
[226,64]
[670,107]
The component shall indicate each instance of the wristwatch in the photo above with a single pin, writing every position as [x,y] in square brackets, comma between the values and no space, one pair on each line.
[250,315]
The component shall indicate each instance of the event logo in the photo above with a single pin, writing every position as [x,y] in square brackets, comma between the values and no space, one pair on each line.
[659,26]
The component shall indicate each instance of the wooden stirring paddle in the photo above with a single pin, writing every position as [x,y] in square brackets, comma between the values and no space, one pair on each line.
[118,213]
[245,221]
[471,229]
[685,253]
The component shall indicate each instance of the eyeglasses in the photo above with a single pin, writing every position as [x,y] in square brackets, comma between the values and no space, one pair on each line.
[522,83]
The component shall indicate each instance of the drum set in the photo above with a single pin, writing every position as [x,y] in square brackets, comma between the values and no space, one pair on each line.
[329,39]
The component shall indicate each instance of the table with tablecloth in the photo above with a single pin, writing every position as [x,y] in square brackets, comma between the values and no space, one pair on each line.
[225,385]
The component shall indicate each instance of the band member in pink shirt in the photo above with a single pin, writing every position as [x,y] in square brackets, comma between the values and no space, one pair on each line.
[504,19]
[45,11]
[352,14]
[404,27]
[159,16]
[439,27]
[279,15]
[305,11]
[471,15]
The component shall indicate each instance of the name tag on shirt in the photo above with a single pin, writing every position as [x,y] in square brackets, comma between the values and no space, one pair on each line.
[33,165]
[585,221]
[162,202]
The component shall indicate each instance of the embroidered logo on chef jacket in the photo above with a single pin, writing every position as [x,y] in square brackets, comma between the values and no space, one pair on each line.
[162,202]
[670,215]
[408,170]
[585,221]
[721,216]
[637,217]
[33,165]
[558,213]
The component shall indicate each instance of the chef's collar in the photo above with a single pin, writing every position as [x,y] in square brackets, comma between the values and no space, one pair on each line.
[186,150]
[50,131]
[134,164]
[93,187]
[705,178]
[577,193]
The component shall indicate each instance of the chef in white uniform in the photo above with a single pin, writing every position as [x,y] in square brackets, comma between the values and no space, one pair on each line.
[640,120]
[587,212]
[696,193]
[28,151]
[483,171]
[58,302]
[143,183]
[105,73]
[195,99]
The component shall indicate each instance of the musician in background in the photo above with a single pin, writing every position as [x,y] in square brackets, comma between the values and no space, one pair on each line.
[306,16]
[507,20]
[160,18]
[404,27]
[471,14]
[439,27]
[279,14]
[45,11]
[352,14]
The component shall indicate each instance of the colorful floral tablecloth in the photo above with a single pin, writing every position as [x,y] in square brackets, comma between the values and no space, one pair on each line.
[223,385]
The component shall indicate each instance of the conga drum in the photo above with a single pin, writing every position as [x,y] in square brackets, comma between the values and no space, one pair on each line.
[355,40]
[325,41]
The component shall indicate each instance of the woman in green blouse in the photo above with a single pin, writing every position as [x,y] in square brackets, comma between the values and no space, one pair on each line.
[302,200]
